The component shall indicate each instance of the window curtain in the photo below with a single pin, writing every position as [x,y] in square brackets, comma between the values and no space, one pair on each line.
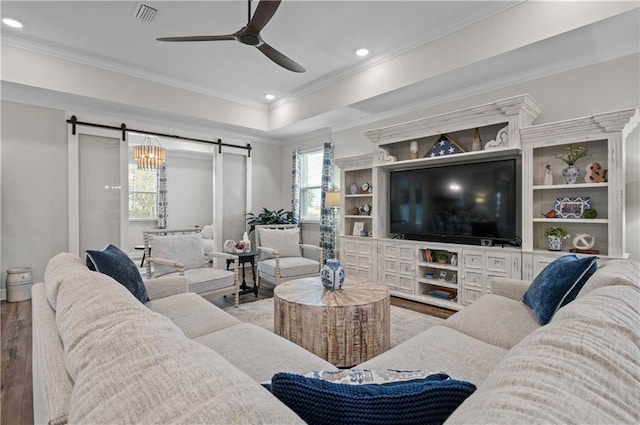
[327,226]
[162,197]
[296,169]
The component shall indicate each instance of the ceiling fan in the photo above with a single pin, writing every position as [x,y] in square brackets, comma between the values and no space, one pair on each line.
[250,35]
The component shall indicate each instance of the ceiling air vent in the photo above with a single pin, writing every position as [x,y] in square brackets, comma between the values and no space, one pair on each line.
[144,12]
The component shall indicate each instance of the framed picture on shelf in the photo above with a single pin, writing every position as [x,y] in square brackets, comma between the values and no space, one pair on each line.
[358,227]
[572,207]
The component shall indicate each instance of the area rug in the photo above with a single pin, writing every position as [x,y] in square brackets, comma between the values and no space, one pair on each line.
[404,323]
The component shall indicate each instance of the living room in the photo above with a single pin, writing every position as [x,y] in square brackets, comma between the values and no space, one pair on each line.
[41,91]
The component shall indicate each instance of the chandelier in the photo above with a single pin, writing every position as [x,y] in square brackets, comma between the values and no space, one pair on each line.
[149,156]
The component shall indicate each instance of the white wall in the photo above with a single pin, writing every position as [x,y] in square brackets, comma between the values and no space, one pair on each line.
[34,187]
[604,87]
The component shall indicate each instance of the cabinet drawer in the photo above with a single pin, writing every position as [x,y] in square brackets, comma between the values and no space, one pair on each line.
[363,261]
[390,266]
[405,268]
[405,284]
[390,250]
[473,260]
[475,279]
[406,252]
[470,295]
[350,259]
[498,263]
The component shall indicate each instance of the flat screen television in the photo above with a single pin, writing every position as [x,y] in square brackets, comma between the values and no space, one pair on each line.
[462,203]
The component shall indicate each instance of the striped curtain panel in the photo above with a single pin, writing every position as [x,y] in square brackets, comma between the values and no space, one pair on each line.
[162,197]
[327,227]
[296,169]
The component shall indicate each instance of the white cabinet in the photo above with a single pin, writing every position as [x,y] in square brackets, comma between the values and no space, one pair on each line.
[358,258]
[603,137]
[396,263]
[358,192]
[480,266]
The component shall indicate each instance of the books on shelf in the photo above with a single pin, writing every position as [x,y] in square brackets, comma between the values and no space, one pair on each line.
[444,293]
[428,256]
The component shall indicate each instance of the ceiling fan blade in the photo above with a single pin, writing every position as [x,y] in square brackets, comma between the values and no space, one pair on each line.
[199,38]
[263,14]
[279,58]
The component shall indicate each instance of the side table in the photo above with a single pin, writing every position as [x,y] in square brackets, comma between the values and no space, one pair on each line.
[243,258]
[345,327]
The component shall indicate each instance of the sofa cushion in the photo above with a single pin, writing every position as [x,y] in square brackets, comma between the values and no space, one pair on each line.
[185,249]
[495,320]
[115,263]
[52,385]
[558,284]
[582,368]
[58,268]
[131,365]
[289,266]
[194,315]
[260,353]
[441,349]
[285,241]
[429,400]
[625,270]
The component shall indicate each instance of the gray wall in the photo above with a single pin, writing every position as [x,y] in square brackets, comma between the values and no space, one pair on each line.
[34,187]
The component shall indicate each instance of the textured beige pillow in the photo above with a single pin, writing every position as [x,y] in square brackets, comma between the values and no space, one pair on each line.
[185,249]
[285,241]
[207,232]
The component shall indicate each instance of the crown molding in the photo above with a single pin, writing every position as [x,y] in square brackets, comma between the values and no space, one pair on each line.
[108,64]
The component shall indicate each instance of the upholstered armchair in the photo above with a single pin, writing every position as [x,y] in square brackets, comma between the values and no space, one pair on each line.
[184,255]
[282,256]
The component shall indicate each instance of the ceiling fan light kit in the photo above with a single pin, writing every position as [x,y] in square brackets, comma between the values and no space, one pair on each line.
[250,35]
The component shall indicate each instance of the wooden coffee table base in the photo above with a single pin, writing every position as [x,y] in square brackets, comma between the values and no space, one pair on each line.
[345,327]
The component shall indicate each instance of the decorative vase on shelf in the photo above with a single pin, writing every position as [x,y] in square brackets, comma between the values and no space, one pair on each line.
[454,260]
[332,275]
[571,174]
[554,243]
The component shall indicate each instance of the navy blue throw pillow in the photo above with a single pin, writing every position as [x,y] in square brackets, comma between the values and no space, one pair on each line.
[115,263]
[558,284]
[422,401]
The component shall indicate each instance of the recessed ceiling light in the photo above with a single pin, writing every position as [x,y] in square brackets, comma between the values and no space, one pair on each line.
[269,96]
[12,23]
[362,52]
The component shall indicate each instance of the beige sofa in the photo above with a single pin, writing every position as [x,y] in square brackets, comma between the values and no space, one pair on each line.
[100,356]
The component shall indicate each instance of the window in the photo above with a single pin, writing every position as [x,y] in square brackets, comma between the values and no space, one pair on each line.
[310,185]
[143,193]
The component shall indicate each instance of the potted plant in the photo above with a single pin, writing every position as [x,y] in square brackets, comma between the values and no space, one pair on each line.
[442,258]
[555,236]
[571,173]
[270,217]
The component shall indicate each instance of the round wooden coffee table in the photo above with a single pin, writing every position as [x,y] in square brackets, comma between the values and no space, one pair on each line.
[345,327]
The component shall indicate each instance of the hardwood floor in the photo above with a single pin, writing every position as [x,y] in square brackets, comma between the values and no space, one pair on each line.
[16,396]
[16,399]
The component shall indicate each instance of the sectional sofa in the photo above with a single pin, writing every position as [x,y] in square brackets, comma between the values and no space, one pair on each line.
[100,356]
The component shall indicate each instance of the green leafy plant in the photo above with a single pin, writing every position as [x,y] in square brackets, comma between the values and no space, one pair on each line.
[574,154]
[555,232]
[442,258]
[590,213]
[270,217]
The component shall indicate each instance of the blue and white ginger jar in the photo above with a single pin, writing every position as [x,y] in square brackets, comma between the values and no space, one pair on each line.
[332,275]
